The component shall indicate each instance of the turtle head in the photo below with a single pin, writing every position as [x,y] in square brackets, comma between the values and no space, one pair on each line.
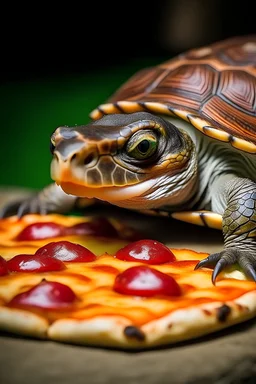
[121,158]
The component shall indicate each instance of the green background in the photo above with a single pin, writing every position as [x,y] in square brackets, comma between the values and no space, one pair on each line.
[32,109]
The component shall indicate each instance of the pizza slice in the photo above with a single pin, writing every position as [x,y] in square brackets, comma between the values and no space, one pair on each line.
[95,281]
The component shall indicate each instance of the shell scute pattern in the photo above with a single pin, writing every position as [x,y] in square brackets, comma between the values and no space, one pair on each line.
[215,84]
[190,85]
[239,93]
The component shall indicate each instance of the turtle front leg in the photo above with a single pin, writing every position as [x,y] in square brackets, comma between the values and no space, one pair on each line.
[239,228]
[50,200]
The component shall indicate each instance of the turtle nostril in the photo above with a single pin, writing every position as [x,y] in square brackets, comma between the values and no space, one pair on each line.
[88,159]
[73,157]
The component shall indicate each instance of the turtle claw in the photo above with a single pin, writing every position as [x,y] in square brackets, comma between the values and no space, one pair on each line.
[9,209]
[209,262]
[23,207]
[219,261]
[31,206]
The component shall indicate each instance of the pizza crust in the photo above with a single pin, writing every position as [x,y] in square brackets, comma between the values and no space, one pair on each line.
[104,330]
[118,331]
[23,322]
[180,325]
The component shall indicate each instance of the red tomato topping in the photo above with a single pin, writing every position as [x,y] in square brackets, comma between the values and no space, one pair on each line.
[47,294]
[145,281]
[146,251]
[97,227]
[34,263]
[66,251]
[38,231]
[3,267]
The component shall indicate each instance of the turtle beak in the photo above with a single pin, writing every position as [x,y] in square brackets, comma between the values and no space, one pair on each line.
[71,155]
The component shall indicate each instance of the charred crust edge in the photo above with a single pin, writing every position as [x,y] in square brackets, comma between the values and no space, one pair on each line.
[134,332]
[223,312]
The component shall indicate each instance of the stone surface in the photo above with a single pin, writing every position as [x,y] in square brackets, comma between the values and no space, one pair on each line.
[226,357]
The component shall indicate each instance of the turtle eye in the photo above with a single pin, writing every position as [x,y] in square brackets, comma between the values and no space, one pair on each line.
[52,146]
[143,148]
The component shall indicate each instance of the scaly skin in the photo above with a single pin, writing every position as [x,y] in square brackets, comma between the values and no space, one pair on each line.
[239,230]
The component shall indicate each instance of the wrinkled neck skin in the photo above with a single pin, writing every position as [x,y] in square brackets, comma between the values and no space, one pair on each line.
[172,190]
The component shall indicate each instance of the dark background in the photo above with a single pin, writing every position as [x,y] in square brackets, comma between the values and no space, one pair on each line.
[77,37]
[58,62]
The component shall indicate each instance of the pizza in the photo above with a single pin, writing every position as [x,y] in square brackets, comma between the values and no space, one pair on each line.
[95,281]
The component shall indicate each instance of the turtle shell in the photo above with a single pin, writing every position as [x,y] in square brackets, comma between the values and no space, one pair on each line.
[212,87]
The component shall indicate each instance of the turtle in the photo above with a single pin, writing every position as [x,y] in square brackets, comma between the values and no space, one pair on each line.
[176,139]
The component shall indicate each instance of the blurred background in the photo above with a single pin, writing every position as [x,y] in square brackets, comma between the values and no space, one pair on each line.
[59,63]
